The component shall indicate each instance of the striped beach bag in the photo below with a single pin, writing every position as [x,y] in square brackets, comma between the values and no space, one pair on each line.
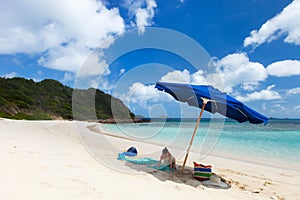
[202,172]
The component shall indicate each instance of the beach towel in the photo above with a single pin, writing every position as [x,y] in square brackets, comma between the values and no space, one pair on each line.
[149,162]
[122,155]
[202,172]
[141,161]
[163,167]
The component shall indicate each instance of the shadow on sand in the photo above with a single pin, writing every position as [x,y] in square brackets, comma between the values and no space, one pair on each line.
[186,177]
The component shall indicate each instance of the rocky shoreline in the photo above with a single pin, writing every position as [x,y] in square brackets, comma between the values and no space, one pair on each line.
[124,121]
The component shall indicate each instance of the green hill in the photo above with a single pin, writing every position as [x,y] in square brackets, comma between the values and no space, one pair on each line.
[49,99]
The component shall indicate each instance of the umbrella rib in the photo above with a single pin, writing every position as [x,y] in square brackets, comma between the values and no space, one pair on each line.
[190,98]
[243,113]
[216,104]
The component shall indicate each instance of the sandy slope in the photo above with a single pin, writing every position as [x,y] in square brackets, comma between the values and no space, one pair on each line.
[47,160]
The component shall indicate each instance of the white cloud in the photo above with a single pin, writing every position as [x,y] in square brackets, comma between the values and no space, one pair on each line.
[105,85]
[231,71]
[198,78]
[49,23]
[264,106]
[143,11]
[284,68]
[177,76]
[144,95]
[122,71]
[65,32]
[66,58]
[294,91]
[68,77]
[10,75]
[285,23]
[267,94]
[236,69]
[297,108]
[39,73]
[250,86]
[185,76]
[280,107]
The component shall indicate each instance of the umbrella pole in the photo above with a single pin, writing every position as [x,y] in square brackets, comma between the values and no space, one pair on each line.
[194,133]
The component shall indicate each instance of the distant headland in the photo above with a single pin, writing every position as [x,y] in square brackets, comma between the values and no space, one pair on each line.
[21,98]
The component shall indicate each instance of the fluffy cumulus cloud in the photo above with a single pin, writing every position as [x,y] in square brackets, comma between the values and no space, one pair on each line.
[143,12]
[65,32]
[267,94]
[236,74]
[65,58]
[177,76]
[285,23]
[284,68]
[144,95]
[236,69]
[43,25]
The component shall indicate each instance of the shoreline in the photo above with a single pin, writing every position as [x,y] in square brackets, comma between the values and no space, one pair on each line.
[254,160]
[47,160]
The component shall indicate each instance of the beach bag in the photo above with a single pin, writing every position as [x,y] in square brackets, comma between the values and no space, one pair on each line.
[131,152]
[202,172]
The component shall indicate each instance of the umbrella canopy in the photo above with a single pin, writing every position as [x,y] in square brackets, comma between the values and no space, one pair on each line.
[219,102]
[210,99]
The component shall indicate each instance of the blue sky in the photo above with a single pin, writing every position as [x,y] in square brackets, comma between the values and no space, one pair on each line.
[250,48]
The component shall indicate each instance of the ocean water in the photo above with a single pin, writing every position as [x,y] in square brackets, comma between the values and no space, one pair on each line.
[276,142]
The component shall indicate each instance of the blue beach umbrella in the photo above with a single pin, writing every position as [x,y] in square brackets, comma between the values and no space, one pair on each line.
[212,100]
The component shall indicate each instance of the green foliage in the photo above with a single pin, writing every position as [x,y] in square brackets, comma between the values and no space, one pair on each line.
[49,99]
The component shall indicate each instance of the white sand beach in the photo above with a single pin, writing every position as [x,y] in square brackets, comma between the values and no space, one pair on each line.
[47,160]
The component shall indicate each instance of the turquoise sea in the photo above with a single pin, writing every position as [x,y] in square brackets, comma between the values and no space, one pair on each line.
[276,142]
